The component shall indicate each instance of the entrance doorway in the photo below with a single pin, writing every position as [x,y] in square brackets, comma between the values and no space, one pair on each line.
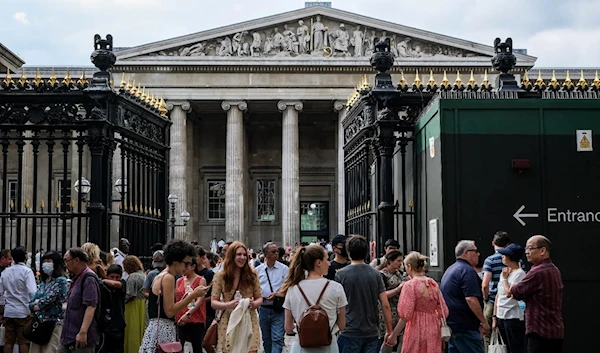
[314,221]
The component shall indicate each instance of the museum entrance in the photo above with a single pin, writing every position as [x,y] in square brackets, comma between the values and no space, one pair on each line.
[314,221]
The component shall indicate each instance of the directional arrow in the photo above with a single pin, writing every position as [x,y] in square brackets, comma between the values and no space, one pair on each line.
[518,215]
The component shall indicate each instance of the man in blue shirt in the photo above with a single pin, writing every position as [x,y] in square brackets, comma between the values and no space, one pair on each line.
[492,268]
[461,288]
[271,275]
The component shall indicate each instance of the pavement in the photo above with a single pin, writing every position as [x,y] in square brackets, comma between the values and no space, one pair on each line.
[286,349]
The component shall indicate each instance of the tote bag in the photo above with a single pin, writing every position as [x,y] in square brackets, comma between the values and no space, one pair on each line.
[496,344]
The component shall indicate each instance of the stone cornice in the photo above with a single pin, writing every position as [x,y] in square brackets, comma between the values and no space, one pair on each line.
[308,12]
[10,59]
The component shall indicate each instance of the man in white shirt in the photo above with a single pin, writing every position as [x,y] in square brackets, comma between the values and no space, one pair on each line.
[17,286]
[271,275]
[120,255]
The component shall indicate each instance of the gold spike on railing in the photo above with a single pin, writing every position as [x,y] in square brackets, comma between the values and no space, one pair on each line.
[67,80]
[472,84]
[57,204]
[431,82]
[128,85]
[153,101]
[138,92]
[458,82]
[133,90]
[445,82]
[27,205]
[485,84]
[52,80]
[23,80]
[82,80]
[568,83]
[72,204]
[539,83]
[7,80]
[402,83]
[42,204]
[143,96]
[596,82]
[525,83]
[120,205]
[136,209]
[123,82]
[553,82]
[11,204]
[582,84]
[417,81]
[159,215]
[162,107]
[38,77]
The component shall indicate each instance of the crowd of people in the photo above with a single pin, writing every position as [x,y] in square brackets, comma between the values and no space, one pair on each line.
[234,299]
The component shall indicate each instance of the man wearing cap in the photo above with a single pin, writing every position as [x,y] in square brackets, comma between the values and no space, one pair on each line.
[341,256]
[390,245]
[159,264]
[508,315]
[542,291]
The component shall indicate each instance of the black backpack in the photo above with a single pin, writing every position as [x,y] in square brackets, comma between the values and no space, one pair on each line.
[102,314]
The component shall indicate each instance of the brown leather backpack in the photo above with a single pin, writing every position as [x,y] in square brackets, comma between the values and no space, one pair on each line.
[313,326]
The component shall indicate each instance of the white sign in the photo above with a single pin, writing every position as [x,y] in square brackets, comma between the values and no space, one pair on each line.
[557,215]
[432,147]
[433,243]
[584,141]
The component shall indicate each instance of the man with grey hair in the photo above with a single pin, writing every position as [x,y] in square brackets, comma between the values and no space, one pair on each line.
[461,287]
[271,275]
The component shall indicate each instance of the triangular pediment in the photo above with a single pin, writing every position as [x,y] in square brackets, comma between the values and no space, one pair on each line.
[309,34]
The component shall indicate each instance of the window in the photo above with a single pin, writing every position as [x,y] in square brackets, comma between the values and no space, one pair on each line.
[314,216]
[265,200]
[64,193]
[216,199]
[12,194]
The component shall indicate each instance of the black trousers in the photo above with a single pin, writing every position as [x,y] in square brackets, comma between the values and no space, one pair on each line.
[513,334]
[193,333]
[539,344]
[112,341]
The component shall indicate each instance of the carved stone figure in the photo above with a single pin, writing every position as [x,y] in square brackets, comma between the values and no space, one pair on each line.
[278,40]
[393,48]
[225,48]
[268,46]
[198,49]
[238,45]
[256,44]
[303,37]
[357,41]
[290,43]
[403,48]
[318,32]
[370,42]
[340,39]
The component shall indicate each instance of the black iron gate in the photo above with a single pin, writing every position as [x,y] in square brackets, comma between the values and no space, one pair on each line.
[56,132]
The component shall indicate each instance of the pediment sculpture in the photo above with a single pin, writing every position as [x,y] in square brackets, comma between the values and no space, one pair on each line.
[313,37]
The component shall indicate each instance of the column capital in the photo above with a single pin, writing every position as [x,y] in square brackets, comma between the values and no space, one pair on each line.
[185,105]
[338,106]
[241,105]
[283,105]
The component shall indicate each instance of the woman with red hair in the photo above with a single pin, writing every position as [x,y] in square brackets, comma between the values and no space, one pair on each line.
[236,281]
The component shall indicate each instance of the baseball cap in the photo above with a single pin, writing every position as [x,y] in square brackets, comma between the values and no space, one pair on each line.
[514,251]
[158,259]
[338,239]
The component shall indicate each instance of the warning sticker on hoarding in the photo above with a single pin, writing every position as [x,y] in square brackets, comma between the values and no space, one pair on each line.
[584,140]
[432,147]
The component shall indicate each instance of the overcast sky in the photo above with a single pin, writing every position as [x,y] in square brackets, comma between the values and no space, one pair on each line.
[560,33]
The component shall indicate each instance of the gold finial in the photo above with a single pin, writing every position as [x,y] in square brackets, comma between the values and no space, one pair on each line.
[472,84]
[431,82]
[146,210]
[52,80]
[162,107]
[82,80]
[156,103]
[8,80]
[568,83]
[128,85]
[582,84]
[57,204]
[402,83]
[42,204]
[553,81]
[38,77]
[123,83]
[72,204]
[138,91]
[136,209]
[458,81]
[148,98]
[133,89]
[143,96]
[120,205]
[27,205]
[417,82]
[596,82]
[130,207]
[153,101]
[159,215]
[525,83]
[445,81]
[11,205]
[485,84]
[23,79]
[67,80]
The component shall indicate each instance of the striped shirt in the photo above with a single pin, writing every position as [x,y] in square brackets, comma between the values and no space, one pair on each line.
[494,265]
[542,291]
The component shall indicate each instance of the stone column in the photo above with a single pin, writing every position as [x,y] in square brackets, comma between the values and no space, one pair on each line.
[290,172]
[340,108]
[178,160]
[235,220]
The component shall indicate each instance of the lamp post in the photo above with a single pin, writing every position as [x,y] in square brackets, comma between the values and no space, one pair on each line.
[185,215]
[82,189]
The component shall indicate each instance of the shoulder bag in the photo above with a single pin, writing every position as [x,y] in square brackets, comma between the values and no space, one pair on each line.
[168,347]
[277,300]
[212,334]
[38,332]
[446,332]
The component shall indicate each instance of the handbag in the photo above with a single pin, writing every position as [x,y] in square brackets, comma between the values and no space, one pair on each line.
[445,330]
[168,347]
[277,300]
[496,343]
[38,332]
[211,336]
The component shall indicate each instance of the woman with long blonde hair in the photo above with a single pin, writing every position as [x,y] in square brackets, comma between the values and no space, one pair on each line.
[314,260]
[236,281]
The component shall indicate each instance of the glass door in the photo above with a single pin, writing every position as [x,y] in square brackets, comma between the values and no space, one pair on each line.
[314,221]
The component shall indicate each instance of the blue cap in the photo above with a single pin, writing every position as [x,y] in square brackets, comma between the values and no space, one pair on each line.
[514,251]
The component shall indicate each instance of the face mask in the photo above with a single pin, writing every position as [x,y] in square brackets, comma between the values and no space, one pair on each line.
[48,268]
[343,252]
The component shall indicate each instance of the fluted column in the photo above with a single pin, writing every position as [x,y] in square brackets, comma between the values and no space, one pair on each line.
[290,172]
[340,108]
[178,159]
[235,220]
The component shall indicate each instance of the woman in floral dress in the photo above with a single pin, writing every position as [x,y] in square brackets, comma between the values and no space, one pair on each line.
[236,276]
[420,309]
[393,280]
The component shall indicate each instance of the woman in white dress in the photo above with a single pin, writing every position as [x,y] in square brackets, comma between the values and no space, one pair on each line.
[314,260]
